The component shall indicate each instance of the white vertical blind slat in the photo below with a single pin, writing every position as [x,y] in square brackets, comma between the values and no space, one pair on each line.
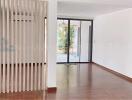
[0,48]
[43,44]
[39,56]
[28,48]
[20,47]
[35,42]
[32,47]
[24,33]
[16,44]
[7,47]
[40,43]
[3,46]
[12,38]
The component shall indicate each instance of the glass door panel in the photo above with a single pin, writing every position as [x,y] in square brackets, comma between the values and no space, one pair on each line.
[85,32]
[74,47]
[62,41]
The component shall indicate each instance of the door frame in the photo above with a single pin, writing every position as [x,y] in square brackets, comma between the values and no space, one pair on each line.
[90,39]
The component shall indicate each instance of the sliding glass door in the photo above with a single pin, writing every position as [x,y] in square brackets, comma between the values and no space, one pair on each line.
[74,47]
[85,41]
[62,41]
[74,40]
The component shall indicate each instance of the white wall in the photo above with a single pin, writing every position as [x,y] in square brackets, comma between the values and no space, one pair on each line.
[112,46]
[52,31]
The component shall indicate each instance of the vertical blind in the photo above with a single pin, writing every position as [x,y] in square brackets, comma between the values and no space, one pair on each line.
[22,45]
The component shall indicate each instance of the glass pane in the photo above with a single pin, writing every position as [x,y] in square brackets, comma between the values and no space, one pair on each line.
[62,43]
[74,48]
[85,31]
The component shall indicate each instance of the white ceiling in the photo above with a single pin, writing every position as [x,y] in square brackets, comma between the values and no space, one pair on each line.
[91,8]
[113,2]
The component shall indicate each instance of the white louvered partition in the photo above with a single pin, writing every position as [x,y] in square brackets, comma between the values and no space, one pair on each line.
[22,45]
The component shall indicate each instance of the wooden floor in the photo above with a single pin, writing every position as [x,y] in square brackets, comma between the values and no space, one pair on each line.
[81,82]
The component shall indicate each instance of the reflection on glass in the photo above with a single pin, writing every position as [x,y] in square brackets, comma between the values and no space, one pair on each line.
[74,75]
[62,43]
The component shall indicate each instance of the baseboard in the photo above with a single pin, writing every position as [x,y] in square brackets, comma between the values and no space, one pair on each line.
[114,72]
[72,62]
[52,89]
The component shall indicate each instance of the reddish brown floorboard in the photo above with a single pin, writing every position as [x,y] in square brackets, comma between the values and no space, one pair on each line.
[81,82]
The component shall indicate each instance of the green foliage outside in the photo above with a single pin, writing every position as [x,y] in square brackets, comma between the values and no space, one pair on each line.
[63,37]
